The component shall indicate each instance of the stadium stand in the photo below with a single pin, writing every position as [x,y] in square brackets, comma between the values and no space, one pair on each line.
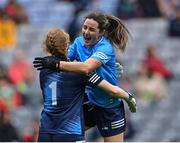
[155,122]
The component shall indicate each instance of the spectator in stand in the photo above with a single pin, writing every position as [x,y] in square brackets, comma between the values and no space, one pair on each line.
[174,24]
[128,9]
[7,91]
[155,63]
[8,132]
[2,70]
[150,8]
[16,11]
[168,7]
[21,70]
[150,87]
[21,73]
[7,31]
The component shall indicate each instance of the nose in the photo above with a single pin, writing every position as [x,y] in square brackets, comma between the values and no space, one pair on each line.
[86,31]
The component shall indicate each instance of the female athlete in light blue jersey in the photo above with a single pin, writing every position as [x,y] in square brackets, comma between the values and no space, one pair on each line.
[95,50]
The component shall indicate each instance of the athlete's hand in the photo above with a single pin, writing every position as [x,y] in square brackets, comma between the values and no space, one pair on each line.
[49,62]
[119,70]
[131,101]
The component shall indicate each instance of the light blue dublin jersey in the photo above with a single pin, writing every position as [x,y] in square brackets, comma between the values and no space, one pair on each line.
[63,94]
[105,53]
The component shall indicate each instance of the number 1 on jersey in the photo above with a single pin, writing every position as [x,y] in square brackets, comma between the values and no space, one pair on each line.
[53,87]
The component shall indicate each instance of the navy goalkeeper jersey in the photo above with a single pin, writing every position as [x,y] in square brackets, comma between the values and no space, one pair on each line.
[63,97]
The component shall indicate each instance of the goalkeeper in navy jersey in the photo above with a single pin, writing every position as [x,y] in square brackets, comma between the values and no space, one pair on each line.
[63,93]
[62,116]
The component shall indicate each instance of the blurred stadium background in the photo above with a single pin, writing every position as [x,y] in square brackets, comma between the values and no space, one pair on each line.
[152,23]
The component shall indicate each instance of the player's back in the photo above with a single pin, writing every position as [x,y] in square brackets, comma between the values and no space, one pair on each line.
[63,96]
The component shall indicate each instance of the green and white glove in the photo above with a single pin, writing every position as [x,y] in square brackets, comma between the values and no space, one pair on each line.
[119,70]
[131,101]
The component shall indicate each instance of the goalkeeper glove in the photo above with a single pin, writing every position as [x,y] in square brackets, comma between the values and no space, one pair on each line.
[119,70]
[50,62]
[131,101]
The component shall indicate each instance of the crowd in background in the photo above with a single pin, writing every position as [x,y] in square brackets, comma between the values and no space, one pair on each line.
[129,9]
[13,14]
[18,77]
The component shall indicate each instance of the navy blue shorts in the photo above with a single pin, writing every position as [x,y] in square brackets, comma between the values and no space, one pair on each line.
[109,121]
[49,137]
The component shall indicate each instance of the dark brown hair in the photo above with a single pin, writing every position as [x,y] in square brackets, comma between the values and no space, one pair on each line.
[113,28]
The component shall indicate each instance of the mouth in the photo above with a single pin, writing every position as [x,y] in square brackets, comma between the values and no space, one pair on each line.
[87,38]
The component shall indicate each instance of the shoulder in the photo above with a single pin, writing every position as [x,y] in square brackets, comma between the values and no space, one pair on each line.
[44,72]
[61,76]
[104,45]
[48,73]
[78,43]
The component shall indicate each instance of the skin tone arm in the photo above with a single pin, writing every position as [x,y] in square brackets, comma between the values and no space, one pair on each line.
[114,90]
[89,66]
[119,93]
[80,67]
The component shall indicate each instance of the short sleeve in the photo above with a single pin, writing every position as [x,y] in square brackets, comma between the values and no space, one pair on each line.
[100,56]
[93,79]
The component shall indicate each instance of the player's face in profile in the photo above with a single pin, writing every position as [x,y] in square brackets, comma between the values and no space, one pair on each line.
[90,32]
